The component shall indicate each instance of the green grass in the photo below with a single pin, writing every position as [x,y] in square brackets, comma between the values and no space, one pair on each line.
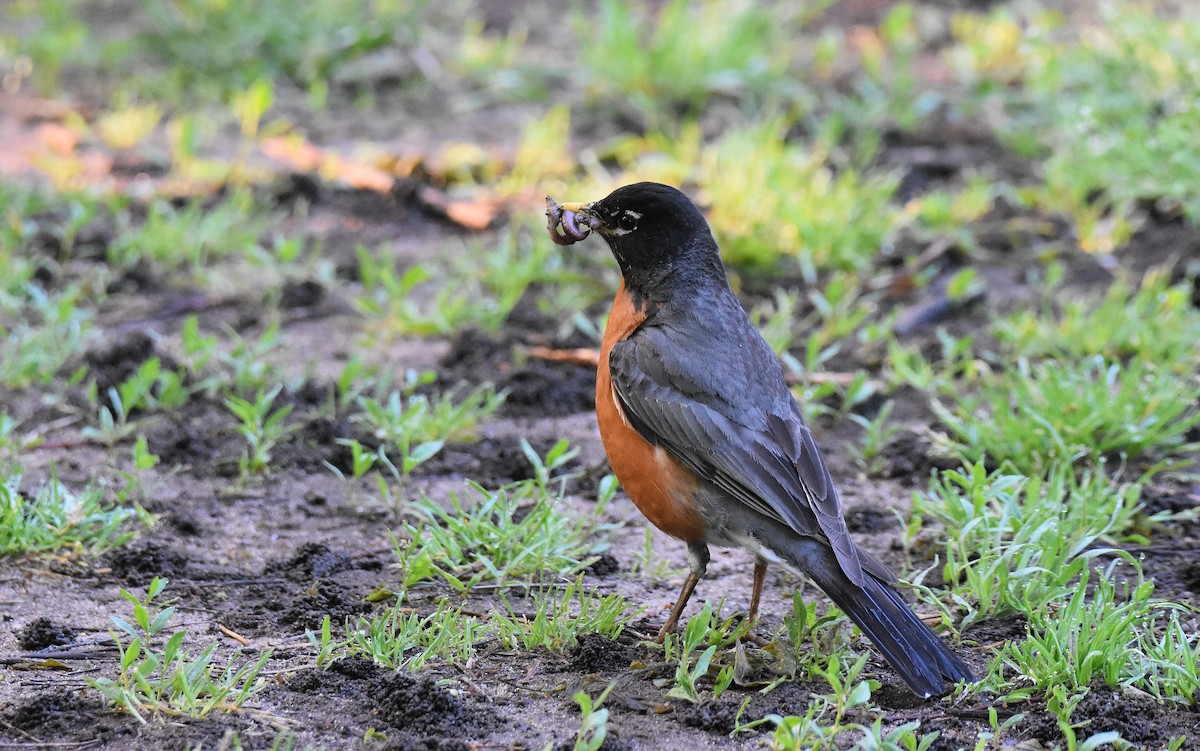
[1153,321]
[402,639]
[776,204]
[40,334]
[1015,542]
[512,534]
[1106,104]
[161,678]
[53,517]
[205,50]
[673,61]
[191,238]
[480,288]
[1034,415]
[1101,632]
[559,616]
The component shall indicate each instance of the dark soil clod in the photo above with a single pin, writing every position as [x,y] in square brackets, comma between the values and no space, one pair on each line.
[43,632]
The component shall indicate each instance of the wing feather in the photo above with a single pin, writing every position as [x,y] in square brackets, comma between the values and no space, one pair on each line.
[766,460]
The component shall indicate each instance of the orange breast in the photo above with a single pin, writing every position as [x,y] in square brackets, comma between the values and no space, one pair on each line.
[658,484]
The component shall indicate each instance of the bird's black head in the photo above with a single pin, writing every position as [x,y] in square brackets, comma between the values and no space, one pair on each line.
[658,236]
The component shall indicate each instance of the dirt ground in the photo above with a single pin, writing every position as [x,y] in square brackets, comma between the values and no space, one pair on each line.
[268,560]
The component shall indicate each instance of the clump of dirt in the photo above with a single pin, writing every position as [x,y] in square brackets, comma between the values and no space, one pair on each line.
[549,389]
[60,713]
[597,653]
[139,562]
[193,435]
[715,718]
[1140,719]
[313,443]
[537,388]
[325,598]
[43,632]
[868,519]
[301,294]
[113,364]
[420,705]
[1189,575]
[312,560]
[606,565]
[491,462]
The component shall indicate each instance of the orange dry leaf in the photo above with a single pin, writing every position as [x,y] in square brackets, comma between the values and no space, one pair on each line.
[58,138]
[294,151]
[361,176]
[473,214]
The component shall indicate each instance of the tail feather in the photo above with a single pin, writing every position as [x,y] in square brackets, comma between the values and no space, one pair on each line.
[911,647]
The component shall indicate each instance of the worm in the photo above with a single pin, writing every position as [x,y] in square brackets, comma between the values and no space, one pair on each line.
[571,228]
[571,231]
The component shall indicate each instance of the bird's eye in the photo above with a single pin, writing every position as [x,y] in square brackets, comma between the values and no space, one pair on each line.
[627,222]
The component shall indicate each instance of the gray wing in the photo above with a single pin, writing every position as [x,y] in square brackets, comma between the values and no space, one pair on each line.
[752,445]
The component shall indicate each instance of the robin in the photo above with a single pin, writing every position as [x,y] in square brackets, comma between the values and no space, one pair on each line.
[705,436]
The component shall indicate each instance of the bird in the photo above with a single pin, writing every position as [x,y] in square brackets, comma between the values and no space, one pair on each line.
[707,439]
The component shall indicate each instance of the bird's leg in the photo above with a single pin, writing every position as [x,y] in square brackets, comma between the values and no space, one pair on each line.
[760,574]
[697,563]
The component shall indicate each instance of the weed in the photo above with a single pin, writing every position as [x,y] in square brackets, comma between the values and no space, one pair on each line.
[149,387]
[1098,634]
[247,365]
[683,55]
[1154,322]
[995,736]
[1033,415]
[1106,105]
[1016,541]
[49,329]
[261,428]
[812,637]
[560,617]
[825,722]
[1062,706]
[403,639]
[593,726]
[189,238]
[513,533]
[142,461]
[706,627]
[646,563]
[408,418]
[169,680]
[55,517]
[878,434]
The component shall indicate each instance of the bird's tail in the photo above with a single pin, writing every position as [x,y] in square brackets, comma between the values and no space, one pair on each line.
[914,651]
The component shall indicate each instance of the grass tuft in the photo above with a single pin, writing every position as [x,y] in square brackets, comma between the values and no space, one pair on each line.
[54,517]
[1033,415]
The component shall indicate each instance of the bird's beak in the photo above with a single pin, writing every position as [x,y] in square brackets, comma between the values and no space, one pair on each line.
[576,206]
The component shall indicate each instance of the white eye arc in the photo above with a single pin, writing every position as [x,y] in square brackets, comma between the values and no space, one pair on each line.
[627,222]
